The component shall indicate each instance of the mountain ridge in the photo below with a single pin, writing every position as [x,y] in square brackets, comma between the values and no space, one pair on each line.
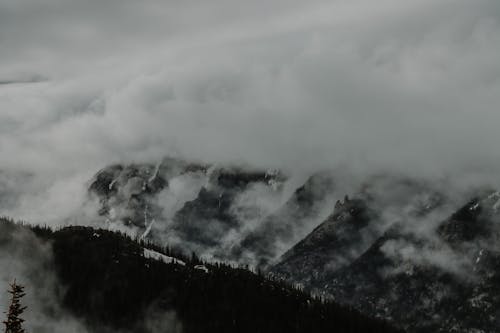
[109,283]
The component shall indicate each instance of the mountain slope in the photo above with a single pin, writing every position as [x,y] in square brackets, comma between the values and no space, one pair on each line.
[287,224]
[398,249]
[203,224]
[193,206]
[333,244]
[112,283]
[445,281]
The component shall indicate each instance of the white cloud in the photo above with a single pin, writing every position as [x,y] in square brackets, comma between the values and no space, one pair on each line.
[407,86]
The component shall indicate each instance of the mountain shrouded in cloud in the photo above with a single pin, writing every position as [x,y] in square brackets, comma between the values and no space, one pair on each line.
[411,87]
[347,146]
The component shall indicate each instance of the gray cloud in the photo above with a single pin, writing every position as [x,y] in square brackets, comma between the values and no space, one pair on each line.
[29,261]
[407,87]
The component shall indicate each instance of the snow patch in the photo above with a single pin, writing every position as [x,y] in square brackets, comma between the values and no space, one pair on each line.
[474,207]
[110,187]
[155,173]
[201,268]
[150,254]
[270,175]
[148,230]
[479,256]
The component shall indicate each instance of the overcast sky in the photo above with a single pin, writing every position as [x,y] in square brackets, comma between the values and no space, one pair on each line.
[411,86]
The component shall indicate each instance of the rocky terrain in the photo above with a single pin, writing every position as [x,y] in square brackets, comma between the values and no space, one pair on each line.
[397,248]
[447,281]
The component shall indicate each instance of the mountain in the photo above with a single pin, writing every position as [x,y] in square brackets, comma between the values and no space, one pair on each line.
[110,283]
[446,280]
[287,224]
[353,226]
[334,243]
[127,193]
[398,248]
[203,224]
[223,212]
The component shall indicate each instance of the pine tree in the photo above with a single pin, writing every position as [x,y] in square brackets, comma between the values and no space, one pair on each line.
[14,322]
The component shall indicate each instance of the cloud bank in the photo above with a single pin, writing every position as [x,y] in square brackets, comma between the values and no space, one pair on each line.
[410,87]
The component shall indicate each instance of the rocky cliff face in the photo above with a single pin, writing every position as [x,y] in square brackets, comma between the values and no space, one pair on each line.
[288,224]
[333,244]
[208,223]
[446,280]
[128,193]
[193,206]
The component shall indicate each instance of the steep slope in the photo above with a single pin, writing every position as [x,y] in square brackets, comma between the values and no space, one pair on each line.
[190,205]
[112,283]
[442,281]
[334,243]
[128,193]
[289,223]
[355,224]
[203,224]
[395,250]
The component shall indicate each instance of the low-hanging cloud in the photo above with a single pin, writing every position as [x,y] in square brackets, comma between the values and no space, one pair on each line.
[27,260]
[407,87]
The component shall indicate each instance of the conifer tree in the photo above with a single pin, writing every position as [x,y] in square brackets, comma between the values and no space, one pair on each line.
[14,322]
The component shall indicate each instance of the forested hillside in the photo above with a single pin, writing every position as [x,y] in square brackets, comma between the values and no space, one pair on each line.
[112,282]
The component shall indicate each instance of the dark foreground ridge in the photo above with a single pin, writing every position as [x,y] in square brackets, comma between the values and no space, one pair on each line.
[112,282]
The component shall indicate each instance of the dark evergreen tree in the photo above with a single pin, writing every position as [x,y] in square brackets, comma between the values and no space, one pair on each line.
[14,322]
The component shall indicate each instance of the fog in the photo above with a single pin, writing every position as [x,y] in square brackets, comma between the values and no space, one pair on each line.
[397,87]
[405,89]
[28,261]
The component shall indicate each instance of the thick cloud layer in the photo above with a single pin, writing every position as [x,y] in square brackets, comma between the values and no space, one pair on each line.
[411,87]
